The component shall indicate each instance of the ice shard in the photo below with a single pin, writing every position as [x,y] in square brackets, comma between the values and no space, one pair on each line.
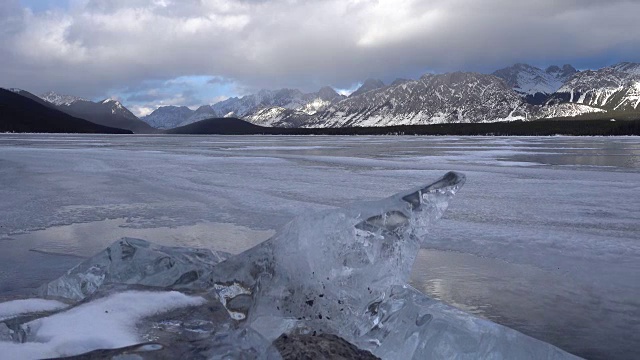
[324,269]
[345,272]
[134,262]
[339,273]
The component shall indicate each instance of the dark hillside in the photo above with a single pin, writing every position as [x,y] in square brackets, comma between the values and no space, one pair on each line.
[108,113]
[221,126]
[22,114]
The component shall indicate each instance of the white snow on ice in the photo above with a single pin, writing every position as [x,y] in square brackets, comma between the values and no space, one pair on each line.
[15,308]
[101,324]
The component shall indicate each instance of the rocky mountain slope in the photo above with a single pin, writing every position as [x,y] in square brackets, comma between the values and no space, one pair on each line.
[612,88]
[168,117]
[58,100]
[108,112]
[267,107]
[21,111]
[530,80]
[627,67]
[447,98]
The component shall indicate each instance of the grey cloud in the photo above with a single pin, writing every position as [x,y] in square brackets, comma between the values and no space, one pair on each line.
[147,97]
[217,80]
[153,95]
[110,44]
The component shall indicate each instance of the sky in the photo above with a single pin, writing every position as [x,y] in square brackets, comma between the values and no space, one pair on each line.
[150,53]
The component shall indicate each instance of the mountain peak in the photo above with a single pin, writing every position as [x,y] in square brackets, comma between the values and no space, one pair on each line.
[553,69]
[566,71]
[373,82]
[615,87]
[168,116]
[60,100]
[368,85]
[523,66]
[399,81]
[328,93]
[530,80]
[204,108]
[627,67]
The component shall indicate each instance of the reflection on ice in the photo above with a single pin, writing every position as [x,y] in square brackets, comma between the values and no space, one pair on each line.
[342,273]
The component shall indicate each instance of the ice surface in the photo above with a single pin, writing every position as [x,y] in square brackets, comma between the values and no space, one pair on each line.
[342,272]
[569,213]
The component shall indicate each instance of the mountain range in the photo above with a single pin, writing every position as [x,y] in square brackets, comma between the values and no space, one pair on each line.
[518,92]
[534,83]
[261,108]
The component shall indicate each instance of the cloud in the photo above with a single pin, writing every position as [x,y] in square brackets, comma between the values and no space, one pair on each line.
[141,110]
[215,80]
[94,48]
[190,91]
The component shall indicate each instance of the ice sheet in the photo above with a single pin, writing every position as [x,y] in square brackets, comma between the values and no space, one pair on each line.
[570,213]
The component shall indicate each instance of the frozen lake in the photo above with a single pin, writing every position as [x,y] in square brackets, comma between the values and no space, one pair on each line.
[544,237]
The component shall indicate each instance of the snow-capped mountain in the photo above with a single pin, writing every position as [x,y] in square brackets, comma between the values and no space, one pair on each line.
[108,112]
[284,98]
[319,101]
[453,97]
[443,98]
[277,116]
[564,110]
[267,107]
[530,80]
[168,117]
[627,67]
[58,100]
[614,88]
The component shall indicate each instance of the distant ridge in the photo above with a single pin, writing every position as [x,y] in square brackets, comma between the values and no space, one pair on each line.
[20,113]
[220,126]
[586,125]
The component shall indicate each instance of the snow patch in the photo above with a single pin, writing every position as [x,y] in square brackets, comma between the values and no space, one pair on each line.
[15,308]
[60,100]
[104,323]
[567,110]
